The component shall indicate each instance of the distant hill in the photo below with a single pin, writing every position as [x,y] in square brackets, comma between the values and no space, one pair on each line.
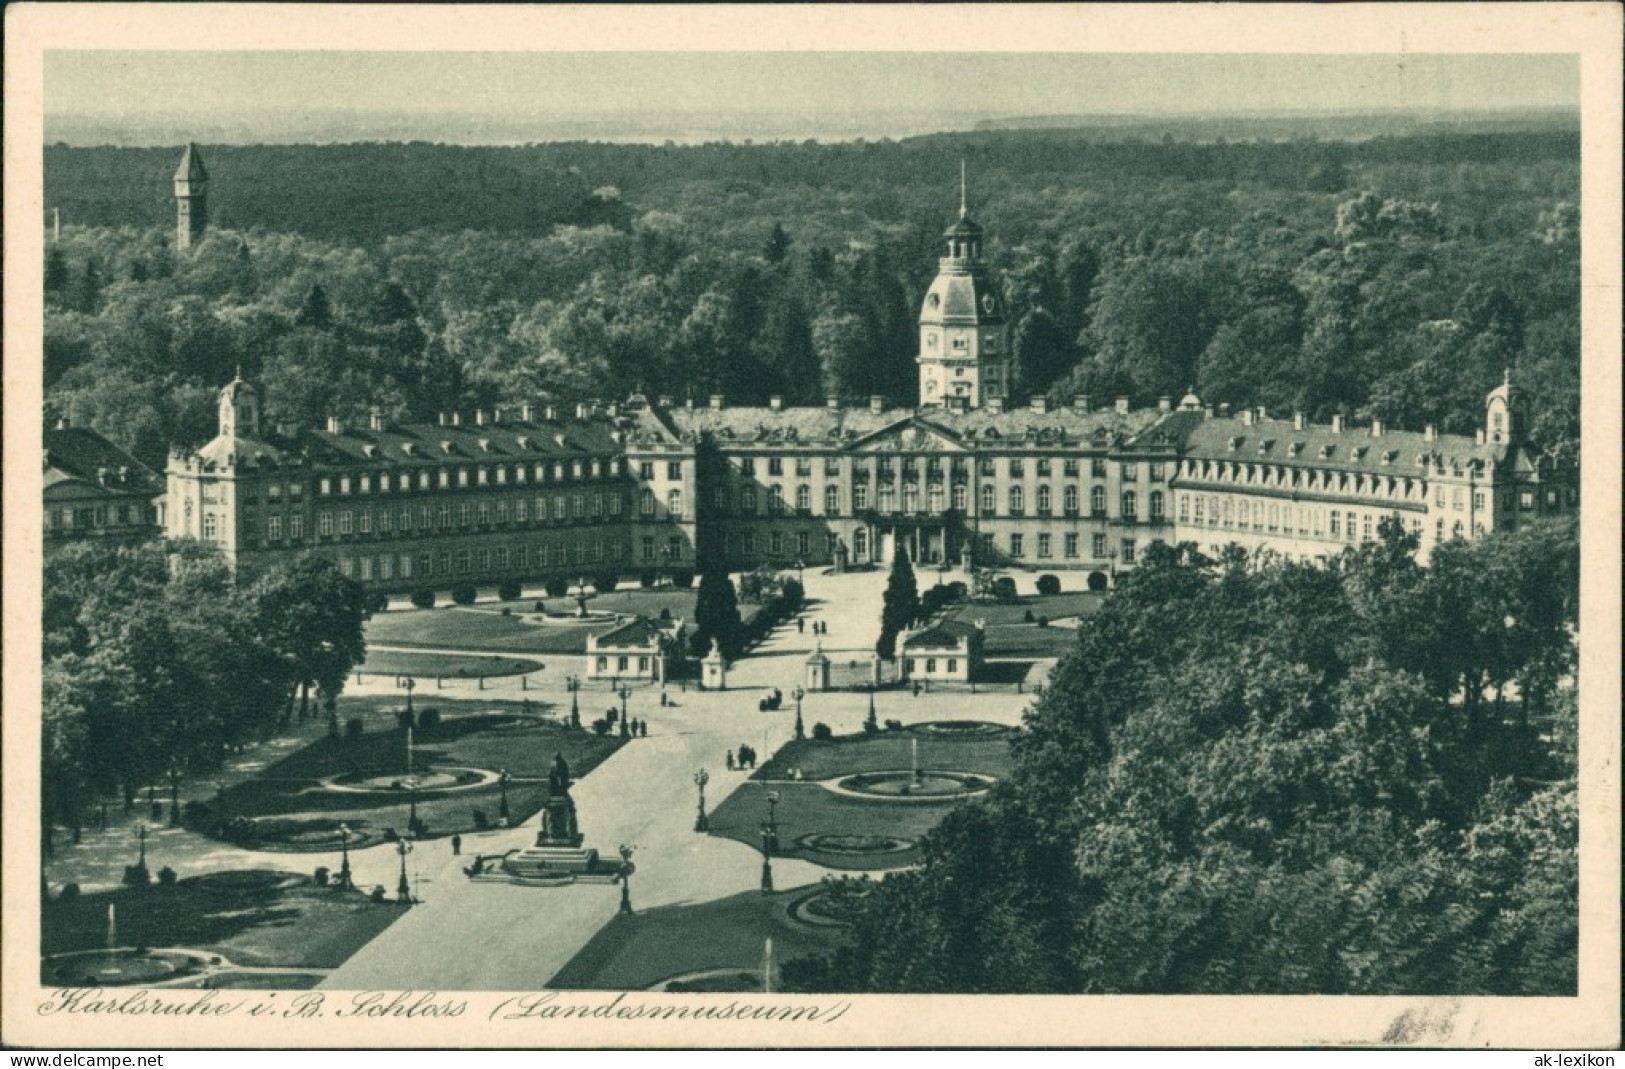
[1247,126]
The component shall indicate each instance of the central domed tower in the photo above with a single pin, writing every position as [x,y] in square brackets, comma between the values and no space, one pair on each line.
[964,337]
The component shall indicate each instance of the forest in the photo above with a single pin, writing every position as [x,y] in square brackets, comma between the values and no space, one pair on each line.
[1394,277]
[1256,776]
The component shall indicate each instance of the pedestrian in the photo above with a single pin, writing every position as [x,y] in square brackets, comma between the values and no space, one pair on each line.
[643,729]
[730,760]
[801,626]
[456,845]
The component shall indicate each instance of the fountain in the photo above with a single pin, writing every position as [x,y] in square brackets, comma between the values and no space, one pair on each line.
[112,925]
[914,750]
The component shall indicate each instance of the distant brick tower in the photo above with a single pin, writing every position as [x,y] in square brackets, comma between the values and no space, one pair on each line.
[191,199]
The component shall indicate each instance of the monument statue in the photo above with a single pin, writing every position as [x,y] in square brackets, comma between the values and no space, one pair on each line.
[558,777]
[559,824]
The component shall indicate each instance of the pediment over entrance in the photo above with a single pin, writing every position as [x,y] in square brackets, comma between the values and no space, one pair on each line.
[912,435]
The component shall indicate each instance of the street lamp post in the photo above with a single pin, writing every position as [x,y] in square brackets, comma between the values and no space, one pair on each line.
[141,837]
[625,693]
[344,857]
[770,840]
[502,785]
[403,889]
[799,694]
[573,684]
[627,868]
[702,822]
[411,784]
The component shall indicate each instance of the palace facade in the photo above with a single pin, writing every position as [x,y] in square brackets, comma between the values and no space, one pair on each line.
[966,477]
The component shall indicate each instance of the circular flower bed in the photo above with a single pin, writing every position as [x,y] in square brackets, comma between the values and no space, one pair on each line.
[854,844]
[960,728]
[315,834]
[437,780]
[905,785]
[713,980]
[826,909]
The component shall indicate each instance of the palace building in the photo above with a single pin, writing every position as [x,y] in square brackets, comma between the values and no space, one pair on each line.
[965,477]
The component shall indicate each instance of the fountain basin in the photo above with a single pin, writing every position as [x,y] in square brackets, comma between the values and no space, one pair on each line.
[904,785]
[434,780]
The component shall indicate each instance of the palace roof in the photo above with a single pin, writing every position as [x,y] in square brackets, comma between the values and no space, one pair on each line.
[1354,448]
[946,635]
[78,454]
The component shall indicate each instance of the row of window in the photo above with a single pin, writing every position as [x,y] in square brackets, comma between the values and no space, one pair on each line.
[887,467]
[751,543]
[427,518]
[466,562]
[96,516]
[1271,517]
[936,497]
[448,478]
[1099,549]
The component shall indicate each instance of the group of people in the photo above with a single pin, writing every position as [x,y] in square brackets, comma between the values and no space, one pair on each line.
[746,758]
[772,702]
[637,729]
[818,626]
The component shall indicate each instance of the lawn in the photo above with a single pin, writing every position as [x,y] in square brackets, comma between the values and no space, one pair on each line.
[477,630]
[1009,634]
[807,809]
[448,665]
[635,952]
[288,801]
[253,918]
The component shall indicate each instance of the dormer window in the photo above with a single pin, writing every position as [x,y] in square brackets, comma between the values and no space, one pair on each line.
[523,441]
[409,448]
[485,445]
[1389,455]
[1235,443]
[1264,446]
[1326,451]
[1295,448]
[369,450]
[445,445]
[1359,452]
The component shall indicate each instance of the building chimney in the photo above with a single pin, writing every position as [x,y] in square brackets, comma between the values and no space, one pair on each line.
[1224,409]
[526,413]
[1039,403]
[444,419]
[1208,411]
[1430,433]
[664,400]
[1262,414]
[334,425]
[877,404]
[1297,419]
[1376,428]
[832,403]
[101,476]
[1337,423]
[613,409]
[1165,403]
[1081,402]
[1122,406]
[995,405]
[479,417]
[717,401]
[62,422]
[375,420]
[582,411]
[1479,437]
[1246,417]
[776,402]
[456,419]
[496,415]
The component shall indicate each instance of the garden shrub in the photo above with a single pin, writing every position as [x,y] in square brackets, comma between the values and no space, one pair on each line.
[682,578]
[464,593]
[1027,617]
[1049,585]
[1042,621]
[320,875]
[506,611]
[606,582]
[509,590]
[601,726]
[646,579]
[428,720]
[70,892]
[355,727]
[1004,588]
[377,893]
[377,602]
[136,876]
[481,821]
[423,599]
[821,730]
[405,718]
[166,877]
[665,613]
[557,587]
[539,606]
[894,725]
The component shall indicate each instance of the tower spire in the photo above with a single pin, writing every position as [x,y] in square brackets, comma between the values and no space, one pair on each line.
[964,207]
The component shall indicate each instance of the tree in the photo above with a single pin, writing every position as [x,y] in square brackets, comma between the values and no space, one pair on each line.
[316,312]
[900,604]
[716,614]
[311,615]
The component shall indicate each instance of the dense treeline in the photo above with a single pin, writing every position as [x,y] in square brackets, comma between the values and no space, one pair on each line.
[1396,277]
[1257,776]
[157,662]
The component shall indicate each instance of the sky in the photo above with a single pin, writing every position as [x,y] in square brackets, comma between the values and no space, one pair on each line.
[950,89]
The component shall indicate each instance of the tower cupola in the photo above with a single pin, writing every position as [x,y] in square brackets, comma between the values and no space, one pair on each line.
[1505,413]
[239,409]
[964,337]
